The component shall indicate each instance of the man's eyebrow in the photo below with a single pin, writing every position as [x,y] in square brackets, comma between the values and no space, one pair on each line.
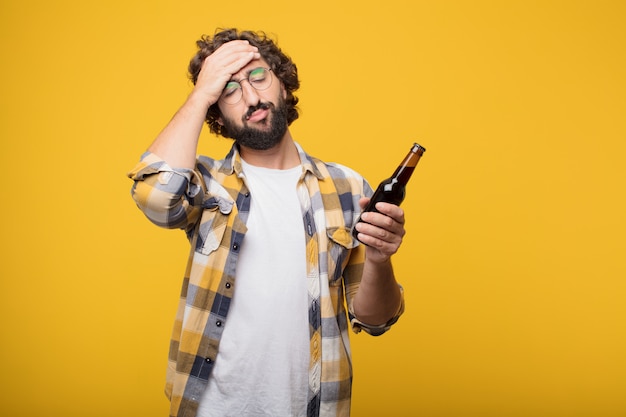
[247,74]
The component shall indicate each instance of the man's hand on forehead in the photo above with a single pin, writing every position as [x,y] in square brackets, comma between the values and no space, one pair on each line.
[219,67]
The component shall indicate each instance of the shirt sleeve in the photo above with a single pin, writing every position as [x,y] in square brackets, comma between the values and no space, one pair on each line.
[358,325]
[170,198]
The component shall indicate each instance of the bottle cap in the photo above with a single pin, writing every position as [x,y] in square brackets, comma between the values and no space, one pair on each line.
[417,148]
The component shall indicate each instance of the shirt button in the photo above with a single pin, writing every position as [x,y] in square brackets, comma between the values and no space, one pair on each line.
[218,323]
[208,360]
[228,285]
[235,247]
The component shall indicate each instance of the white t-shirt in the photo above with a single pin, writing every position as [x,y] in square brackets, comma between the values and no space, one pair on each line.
[262,365]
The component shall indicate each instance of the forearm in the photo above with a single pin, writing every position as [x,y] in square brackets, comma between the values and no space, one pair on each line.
[177,143]
[378,298]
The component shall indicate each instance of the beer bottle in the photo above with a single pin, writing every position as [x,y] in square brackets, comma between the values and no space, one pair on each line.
[392,190]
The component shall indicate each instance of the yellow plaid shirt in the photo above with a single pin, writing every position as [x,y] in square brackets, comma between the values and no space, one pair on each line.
[211,203]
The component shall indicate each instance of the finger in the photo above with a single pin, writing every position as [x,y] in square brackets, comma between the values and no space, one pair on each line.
[385,222]
[230,64]
[234,54]
[392,211]
[234,47]
[378,246]
[392,235]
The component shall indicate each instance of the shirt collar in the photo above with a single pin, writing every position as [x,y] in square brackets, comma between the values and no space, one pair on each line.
[232,162]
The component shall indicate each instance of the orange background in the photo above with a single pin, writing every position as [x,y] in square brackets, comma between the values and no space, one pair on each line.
[513,264]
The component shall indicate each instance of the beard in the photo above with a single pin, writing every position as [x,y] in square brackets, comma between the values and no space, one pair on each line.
[259,139]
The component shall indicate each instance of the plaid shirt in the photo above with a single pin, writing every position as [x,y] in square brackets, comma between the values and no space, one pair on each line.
[211,203]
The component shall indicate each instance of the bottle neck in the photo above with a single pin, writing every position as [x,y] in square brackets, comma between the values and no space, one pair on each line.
[405,169]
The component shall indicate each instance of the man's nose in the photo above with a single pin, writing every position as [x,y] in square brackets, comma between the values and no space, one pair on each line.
[250,94]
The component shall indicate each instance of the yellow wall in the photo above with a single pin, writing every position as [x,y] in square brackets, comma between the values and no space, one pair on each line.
[514,263]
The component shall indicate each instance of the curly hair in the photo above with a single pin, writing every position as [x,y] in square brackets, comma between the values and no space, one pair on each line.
[282,66]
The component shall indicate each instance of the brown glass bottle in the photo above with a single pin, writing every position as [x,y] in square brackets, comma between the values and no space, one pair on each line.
[393,189]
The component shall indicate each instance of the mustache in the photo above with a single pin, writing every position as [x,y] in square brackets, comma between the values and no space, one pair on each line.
[252,109]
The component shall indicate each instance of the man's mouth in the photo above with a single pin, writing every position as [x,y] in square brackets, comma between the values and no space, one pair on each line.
[258,113]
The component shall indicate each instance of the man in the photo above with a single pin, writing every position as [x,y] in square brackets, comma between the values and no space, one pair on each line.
[274,276]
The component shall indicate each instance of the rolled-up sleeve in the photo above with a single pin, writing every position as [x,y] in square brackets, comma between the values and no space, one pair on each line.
[170,198]
[358,325]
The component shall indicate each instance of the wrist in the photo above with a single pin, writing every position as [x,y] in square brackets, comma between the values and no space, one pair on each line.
[201,100]
[377,258]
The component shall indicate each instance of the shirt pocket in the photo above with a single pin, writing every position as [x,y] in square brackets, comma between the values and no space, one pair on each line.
[212,224]
[340,243]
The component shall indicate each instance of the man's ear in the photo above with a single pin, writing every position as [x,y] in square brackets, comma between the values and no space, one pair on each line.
[219,121]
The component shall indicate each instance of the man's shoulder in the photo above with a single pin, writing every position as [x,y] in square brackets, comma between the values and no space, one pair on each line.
[209,162]
[338,170]
[213,167]
[333,169]
[346,180]
[342,174]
